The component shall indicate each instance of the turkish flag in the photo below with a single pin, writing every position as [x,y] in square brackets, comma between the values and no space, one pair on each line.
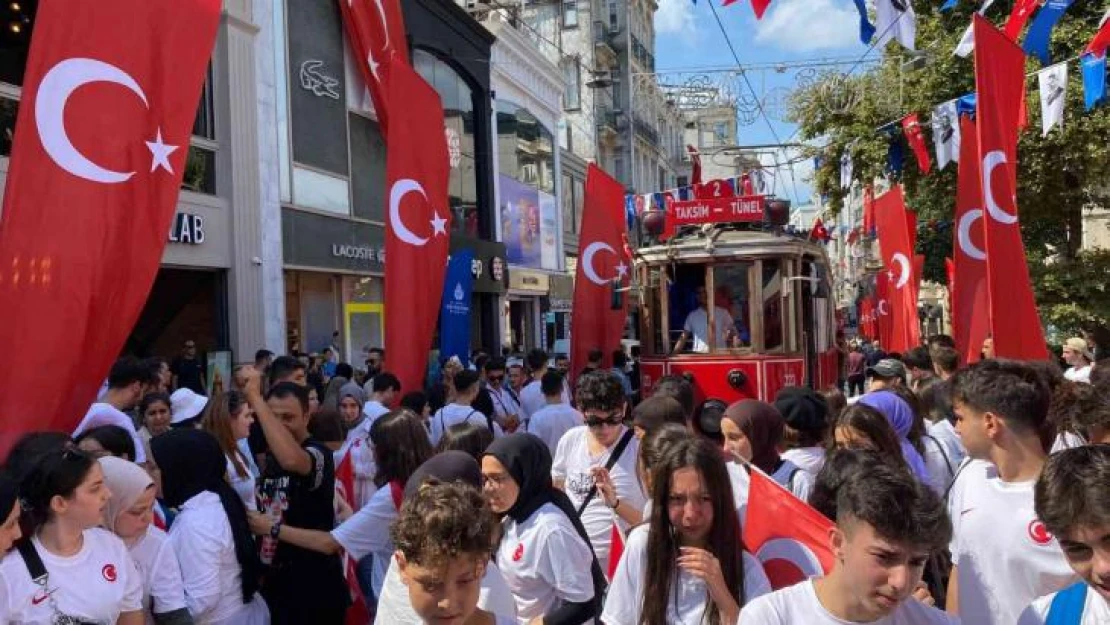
[999,82]
[418,223]
[970,306]
[357,613]
[602,262]
[919,269]
[916,138]
[695,165]
[108,102]
[789,538]
[376,33]
[1019,16]
[868,211]
[884,318]
[819,232]
[896,243]
[1101,40]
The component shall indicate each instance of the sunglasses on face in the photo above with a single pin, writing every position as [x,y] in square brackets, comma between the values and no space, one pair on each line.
[596,421]
[496,378]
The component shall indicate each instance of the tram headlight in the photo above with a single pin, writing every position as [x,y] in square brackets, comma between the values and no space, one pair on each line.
[737,379]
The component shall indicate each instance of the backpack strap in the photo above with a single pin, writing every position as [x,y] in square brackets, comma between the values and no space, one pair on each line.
[943,454]
[1067,605]
[34,563]
[609,464]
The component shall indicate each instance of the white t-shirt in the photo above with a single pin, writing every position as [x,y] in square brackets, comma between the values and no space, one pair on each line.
[798,605]
[552,421]
[373,409]
[1096,610]
[1006,558]
[361,451]
[953,447]
[741,483]
[572,464]
[106,414]
[157,564]
[545,563]
[367,533]
[244,486]
[697,326]
[454,414]
[201,538]
[806,458]
[794,479]
[96,584]
[505,402]
[532,399]
[1079,374]
[686,603]
[394,607]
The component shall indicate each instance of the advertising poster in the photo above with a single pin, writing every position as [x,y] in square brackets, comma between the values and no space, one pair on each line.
[520,223]
[219,373]
[549,230]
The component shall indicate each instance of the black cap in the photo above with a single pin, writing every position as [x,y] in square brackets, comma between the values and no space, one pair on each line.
[802,408]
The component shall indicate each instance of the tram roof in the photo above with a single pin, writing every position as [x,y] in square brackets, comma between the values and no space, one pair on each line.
[717,242]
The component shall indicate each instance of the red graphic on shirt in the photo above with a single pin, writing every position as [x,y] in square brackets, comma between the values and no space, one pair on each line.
[519,553]
[42,596]
[109,572]
[1039,533]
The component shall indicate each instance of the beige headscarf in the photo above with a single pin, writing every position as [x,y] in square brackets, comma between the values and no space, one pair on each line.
[127,481]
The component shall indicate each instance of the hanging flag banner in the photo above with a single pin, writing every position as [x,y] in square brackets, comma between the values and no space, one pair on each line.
[948,5]
[1101,40]
[819,232]
[895,19]
[695,165]
[916,138]
[1053,83]
[1036,41]
[946,133]
[895,153]
[966,105]
[1019,15]
[789,538]
[1094,80]
[999,81]
[968,280]
[454,314]
[866,28]
[846,169]
[896,241]
[94,179]
[967,43]
[868,211]
[376,33]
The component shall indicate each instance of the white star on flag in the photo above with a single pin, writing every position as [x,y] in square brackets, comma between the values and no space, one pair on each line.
[160,153]
[622,270]
[439,225]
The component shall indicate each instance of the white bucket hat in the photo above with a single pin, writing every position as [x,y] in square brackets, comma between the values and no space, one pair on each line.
[186,404]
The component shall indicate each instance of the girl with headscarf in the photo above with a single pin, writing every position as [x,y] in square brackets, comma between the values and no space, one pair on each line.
[394,606]
[9,513]
[753,432]
[543,543]
[901,416]
[219,564]
[128,515]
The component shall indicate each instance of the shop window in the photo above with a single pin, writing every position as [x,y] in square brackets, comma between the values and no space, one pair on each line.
[568,204]
[200,164]
[368,159]
[570,14]
[572,81]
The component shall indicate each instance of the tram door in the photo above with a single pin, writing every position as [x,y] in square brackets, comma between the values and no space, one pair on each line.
[815,323]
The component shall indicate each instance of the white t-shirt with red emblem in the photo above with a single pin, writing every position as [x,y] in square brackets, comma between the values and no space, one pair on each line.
[96,584]
[1006,557]
[545,563]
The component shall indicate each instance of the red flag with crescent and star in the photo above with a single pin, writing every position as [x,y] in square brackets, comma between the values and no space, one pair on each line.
[602,264]
[884,320]
[1019,16]
[970,324]
[1000,82]
[376,33]
[695,165]
[358,613]
[895,241]
[789,538]
[417,232]
[915,136]
[106,114]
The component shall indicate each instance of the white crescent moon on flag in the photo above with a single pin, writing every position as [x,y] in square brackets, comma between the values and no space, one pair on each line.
[588,261]
[791,551]
[50,104]
[882,310]
[963,234]
[396,193]
[904,264]
[990,161]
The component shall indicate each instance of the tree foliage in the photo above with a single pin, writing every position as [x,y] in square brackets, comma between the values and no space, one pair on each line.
[1058,175]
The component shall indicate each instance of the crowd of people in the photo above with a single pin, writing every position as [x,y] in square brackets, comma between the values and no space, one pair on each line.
[507,492]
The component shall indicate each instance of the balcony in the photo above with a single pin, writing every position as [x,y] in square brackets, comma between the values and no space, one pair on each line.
[608,124]
[642,55]
[603,49]
[646,130]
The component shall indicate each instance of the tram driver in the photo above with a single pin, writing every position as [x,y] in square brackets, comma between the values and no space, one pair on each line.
[697,326]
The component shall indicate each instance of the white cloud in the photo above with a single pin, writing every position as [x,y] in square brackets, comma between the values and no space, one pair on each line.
[807,25]
[675,17]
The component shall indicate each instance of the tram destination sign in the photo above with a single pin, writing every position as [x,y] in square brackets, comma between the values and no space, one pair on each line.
[739,208]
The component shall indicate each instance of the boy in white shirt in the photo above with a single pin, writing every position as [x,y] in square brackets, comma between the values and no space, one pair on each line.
[556,418]
[460,410]
[1073,501]
[1003,557]
[887,524]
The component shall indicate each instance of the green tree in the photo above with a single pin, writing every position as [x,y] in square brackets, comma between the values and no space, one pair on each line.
[1058,175]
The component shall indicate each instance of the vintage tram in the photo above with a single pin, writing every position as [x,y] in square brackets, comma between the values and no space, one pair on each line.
[742,307]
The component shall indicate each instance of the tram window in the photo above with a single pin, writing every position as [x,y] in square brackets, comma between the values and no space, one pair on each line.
[773,308]
[657,343]
[731,292]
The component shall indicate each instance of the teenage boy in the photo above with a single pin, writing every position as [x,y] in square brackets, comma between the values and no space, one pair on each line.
[506,403]
[1072,499]
[460,410]
[1003,557]
[297,487]
[125,386]
[557,417]
[887,525]
[531,396]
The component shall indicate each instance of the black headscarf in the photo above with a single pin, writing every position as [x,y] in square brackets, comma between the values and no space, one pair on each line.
[528,461]
[762,424]
[192,462]
[448,466]
[9,493]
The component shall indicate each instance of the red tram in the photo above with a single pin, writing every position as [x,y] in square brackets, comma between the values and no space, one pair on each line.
[740,306]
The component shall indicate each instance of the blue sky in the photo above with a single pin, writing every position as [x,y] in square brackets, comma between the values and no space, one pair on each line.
[687,36]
